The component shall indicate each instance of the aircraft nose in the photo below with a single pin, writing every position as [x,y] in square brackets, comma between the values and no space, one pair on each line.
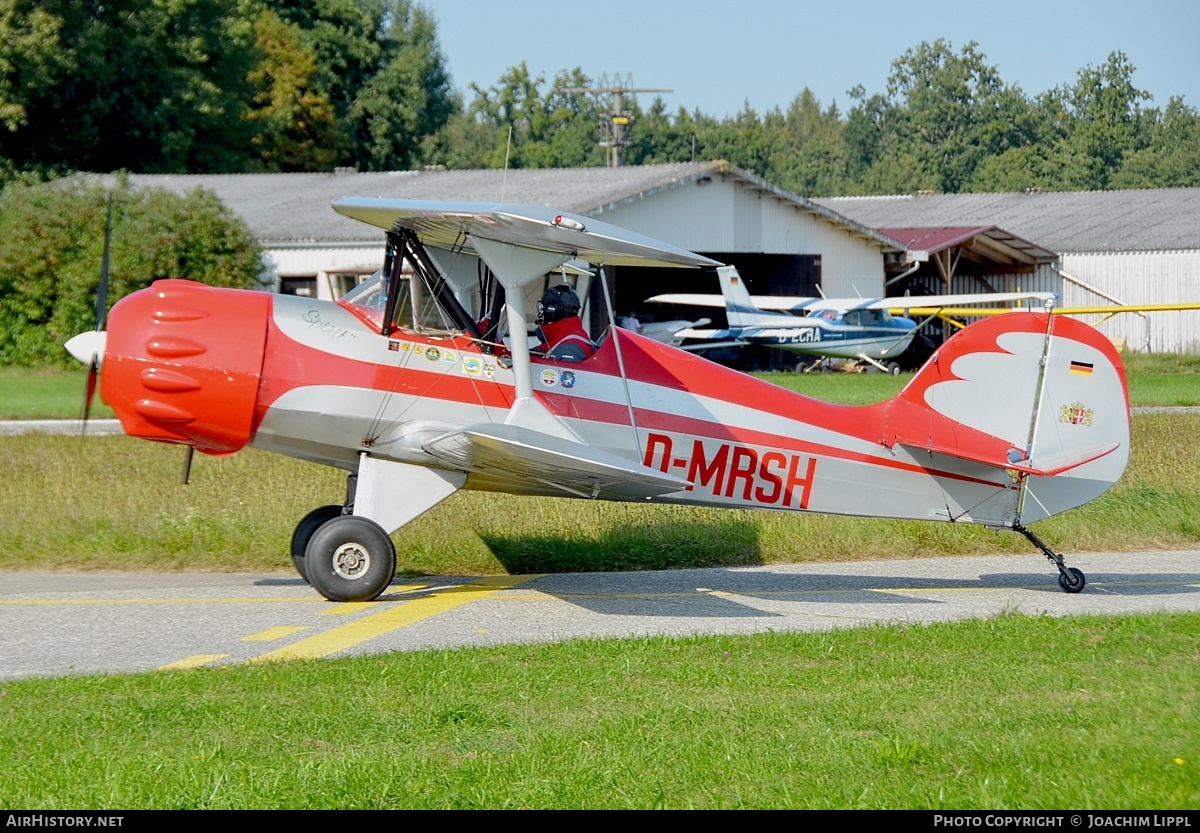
[88,347]
[184,361]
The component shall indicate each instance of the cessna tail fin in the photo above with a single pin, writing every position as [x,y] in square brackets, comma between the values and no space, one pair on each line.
[739,306]
[1042,396]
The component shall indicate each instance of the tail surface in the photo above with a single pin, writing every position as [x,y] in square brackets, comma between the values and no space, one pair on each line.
[1041,396]
[739,307]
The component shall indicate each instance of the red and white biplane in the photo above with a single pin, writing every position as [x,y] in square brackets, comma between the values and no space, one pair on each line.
[415,385]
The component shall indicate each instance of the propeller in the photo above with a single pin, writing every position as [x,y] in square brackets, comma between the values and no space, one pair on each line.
[93,343]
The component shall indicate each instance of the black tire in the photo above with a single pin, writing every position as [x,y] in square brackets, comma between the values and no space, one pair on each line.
[893,368]
[350,559]
[1072,584]
[308,525]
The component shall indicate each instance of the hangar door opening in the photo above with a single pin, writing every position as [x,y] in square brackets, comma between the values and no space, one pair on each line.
[763,275]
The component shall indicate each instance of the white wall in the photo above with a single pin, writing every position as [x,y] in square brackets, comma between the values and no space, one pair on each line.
[309,260]
[728,216]
[1168,277]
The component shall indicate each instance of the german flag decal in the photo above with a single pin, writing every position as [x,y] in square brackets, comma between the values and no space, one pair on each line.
[1081,368]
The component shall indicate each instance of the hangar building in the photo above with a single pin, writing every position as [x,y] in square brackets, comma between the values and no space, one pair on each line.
[783,243]
[1091,248]
[1112,247]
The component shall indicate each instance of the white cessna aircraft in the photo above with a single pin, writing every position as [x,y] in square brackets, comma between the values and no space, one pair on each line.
[868,330]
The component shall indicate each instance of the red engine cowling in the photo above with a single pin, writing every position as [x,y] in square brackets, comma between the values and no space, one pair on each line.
[182,363]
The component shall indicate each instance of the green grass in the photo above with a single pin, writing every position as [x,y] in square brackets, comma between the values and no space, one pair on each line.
[46,394]
[903,716]
[1020,712]
[1165,379]
[116,503]
[1155,380]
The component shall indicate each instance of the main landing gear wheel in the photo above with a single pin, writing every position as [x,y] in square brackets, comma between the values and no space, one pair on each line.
[350,559]
[308,525]
[893,368]
[1072,581]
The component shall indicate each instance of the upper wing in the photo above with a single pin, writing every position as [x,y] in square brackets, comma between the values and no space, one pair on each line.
[452,225]
[523,457]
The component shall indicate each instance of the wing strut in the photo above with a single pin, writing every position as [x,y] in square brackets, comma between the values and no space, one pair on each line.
[612,323]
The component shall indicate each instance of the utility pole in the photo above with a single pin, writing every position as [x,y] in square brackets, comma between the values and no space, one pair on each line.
[617,120]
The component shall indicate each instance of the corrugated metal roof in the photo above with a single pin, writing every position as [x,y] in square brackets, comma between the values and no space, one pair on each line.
[933,238]
[294,207]
[937,238]
[1085,221]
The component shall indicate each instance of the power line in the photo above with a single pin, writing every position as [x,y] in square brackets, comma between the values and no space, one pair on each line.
[618,121]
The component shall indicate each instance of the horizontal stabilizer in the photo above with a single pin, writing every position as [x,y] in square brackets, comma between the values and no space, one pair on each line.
[693,332]
[690,299]
[1043,466]
[521,456]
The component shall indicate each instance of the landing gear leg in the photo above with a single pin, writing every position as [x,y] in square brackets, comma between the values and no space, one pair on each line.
[1070,579]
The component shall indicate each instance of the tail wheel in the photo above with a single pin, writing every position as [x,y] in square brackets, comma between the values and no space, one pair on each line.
[308,525]
[350,559]
[1071,580]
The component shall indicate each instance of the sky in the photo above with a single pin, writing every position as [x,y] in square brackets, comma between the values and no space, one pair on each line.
[717,56]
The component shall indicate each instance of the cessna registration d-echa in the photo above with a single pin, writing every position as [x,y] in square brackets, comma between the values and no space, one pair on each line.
[870,331]
[415,387]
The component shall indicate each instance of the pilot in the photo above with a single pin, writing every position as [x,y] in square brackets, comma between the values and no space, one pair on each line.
[559,326]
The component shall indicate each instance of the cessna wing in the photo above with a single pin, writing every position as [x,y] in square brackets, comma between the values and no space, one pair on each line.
[920,305]
[527,460]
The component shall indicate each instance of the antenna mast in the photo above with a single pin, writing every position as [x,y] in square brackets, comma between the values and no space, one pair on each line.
[618,120]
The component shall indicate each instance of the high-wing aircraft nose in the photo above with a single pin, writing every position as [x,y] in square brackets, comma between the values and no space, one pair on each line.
[88,347]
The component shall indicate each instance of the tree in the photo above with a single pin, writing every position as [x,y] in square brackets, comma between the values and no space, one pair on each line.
[148,85]
[1105,118]
[51,242]
[952,112]
[379,68]
[810,156]
[211,86]
[1171,157]
[659,138]
[408,97]
[297,127]
[514,122]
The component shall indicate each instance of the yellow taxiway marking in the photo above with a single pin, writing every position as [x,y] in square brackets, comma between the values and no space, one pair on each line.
[390,618]
[194,661]
[347,608]
[271,634]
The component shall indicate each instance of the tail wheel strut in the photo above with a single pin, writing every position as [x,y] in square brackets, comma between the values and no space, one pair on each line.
[1070,579]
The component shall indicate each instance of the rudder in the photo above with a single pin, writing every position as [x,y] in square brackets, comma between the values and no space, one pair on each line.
[1062,427]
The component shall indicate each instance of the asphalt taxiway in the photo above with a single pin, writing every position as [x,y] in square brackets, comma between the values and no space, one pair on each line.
[58,623]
